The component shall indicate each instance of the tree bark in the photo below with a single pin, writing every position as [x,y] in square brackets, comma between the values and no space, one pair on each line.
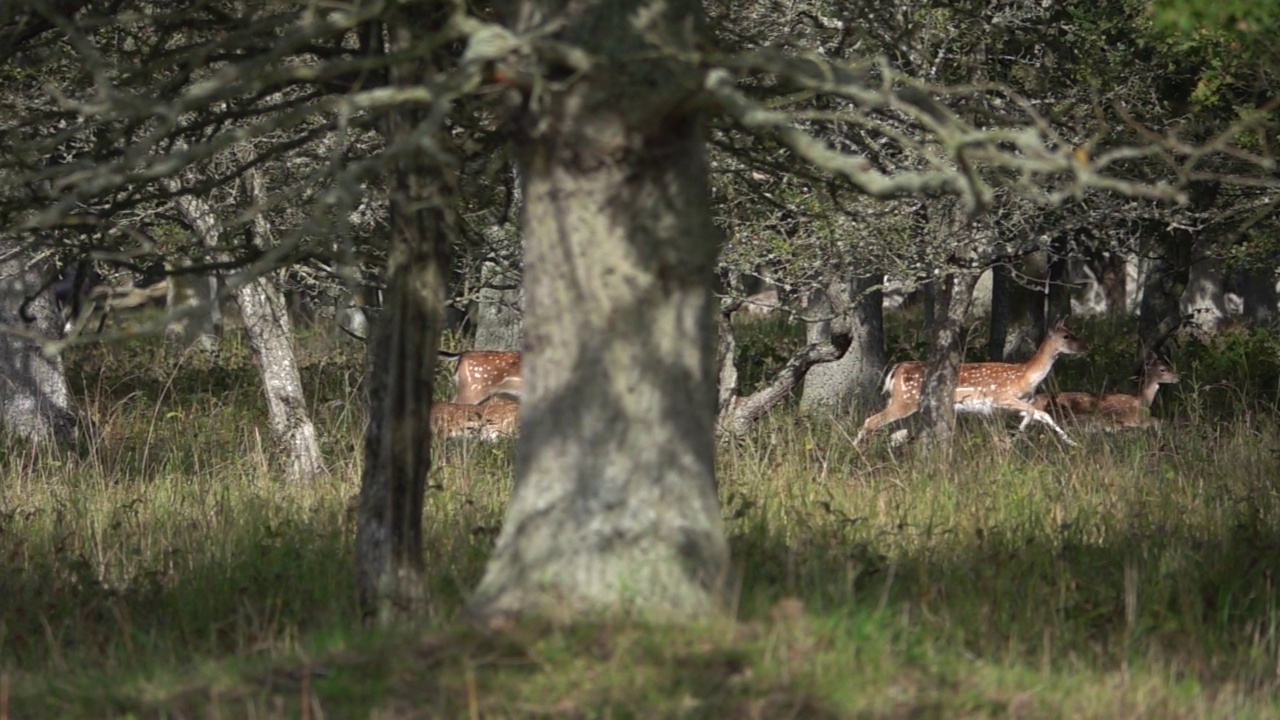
[498,325]
[1026,303]
[1160,311]
[270,332]
[35,403]
[1058,294]
[1113,276]
[855,378]
[937,404]
[1165,282]
[1205,299]
[1001,287]
[615,507]
[1258,291]
[270,335]
[193,301]
[402,358]
[929,304]
[498,318]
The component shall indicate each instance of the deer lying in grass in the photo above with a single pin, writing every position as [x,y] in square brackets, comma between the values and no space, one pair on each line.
[490,421]
[1113,410]
[483,374]
[982,388]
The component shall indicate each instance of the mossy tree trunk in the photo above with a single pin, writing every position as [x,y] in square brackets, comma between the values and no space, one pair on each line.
[402,354]
[614,507]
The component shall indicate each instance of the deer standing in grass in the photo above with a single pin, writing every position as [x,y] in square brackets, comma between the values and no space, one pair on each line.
[483,374]
[492,420]
[1118,410]
[982,388]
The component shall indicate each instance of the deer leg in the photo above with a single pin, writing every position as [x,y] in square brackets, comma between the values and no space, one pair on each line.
[884,417]
[1029,412]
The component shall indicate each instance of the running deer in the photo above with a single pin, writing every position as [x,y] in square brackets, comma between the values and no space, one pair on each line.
[490,421]
[482,374]
[1118,410]
[982,388]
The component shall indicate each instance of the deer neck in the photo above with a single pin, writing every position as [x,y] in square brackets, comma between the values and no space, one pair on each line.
[1037,368]
[1149,388]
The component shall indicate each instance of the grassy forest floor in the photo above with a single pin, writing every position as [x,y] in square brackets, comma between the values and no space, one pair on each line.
[161,570]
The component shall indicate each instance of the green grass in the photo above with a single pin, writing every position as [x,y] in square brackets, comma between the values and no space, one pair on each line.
[162,571]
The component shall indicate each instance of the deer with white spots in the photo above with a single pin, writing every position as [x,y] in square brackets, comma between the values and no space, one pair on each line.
[489,421]
[1113,410]
[982,388]
[482,374]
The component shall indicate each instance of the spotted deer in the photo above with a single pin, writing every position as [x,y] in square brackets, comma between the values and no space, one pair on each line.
[482,374]
[489,421]
[982,388]
[1113,410]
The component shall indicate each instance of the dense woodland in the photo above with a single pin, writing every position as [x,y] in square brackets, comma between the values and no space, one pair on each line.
[244,242]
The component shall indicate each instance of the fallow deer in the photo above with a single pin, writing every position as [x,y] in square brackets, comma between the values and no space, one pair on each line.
[482,374]
[489,421]
[982,388]
[1117,410]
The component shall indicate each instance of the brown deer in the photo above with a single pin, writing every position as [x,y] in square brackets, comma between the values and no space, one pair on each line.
[1117,410]
[482,374]
[982,388]
[489,421]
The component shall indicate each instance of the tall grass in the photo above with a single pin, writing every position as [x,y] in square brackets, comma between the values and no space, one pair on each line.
[162,570]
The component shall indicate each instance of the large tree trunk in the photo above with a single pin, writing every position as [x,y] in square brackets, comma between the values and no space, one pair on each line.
[856,377]
[402,359]
[937,404]
[35,402]
[270,336]
[615,506]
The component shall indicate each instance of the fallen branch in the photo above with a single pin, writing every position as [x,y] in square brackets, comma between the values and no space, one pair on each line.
[738,413]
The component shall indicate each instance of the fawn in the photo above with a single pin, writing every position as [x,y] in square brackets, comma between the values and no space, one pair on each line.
[1117,410]
[488,421]
[482,374]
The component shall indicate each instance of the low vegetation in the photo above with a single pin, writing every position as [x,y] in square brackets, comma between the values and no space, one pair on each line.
[161,570]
